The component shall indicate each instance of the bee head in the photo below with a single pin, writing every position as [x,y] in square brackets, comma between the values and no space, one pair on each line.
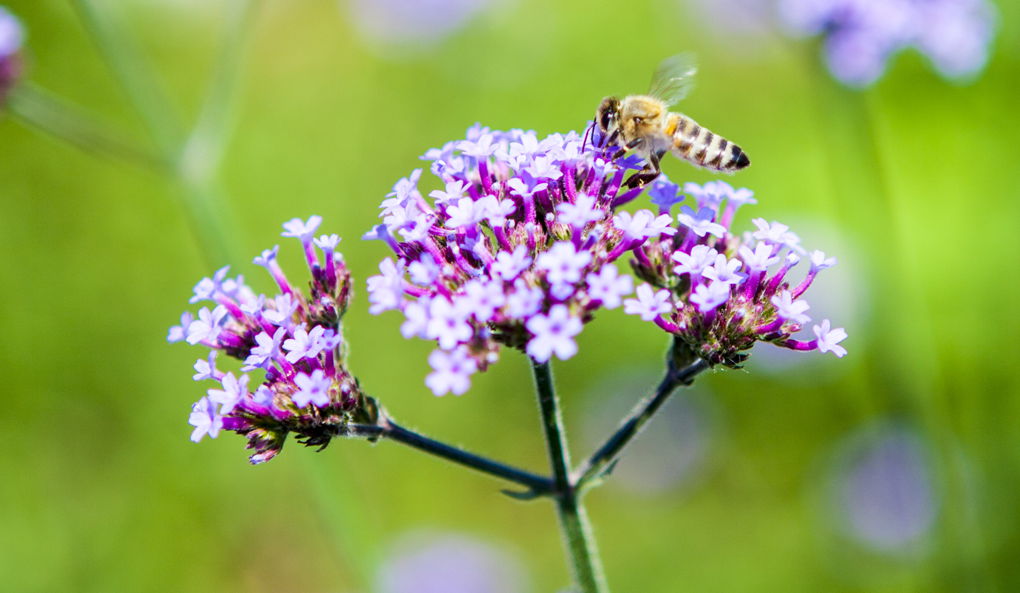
[608,114]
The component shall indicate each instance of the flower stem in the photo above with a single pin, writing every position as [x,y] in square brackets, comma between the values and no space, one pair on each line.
[133,76]
[574,521]
[45,112]
[596,465]
[387,428]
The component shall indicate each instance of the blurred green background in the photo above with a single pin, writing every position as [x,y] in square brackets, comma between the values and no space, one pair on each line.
[895,469]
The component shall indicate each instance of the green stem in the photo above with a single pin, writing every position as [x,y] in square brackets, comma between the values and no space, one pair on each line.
[584,555]
[45,112]
[133,76]
[597,465]
[387,428]
[203,150]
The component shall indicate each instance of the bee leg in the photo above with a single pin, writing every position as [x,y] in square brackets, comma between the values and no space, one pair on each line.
[629,146]
[646,175]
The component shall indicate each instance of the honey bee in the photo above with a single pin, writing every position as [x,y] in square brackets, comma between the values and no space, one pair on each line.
[644,124]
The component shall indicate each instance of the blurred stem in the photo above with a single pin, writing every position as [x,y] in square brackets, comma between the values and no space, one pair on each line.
[584,555]
[387,428]
[46,112]
[192,164]
[133,75]
[601,462]
[203,150]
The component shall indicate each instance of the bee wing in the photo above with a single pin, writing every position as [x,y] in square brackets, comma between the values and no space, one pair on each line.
[674,78]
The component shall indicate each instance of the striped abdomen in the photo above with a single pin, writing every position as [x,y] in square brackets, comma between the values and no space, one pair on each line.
[697,145]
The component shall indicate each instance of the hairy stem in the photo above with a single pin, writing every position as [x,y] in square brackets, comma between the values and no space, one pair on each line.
[596,465]
[584,555]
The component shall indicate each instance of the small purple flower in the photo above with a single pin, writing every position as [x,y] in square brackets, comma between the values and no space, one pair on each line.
[700,222]
[665,194]
[205,368]
[447,324]
[643,224]
[312,389]
[563,263]
[508,266]
[829,339]
[725,271]
[207,327]
[759,258]
[524,300]
[482,299]
[775,233]
[205,419]
[304,343]
[789,309]
[267,349]
[424,271]
[178,333]
[609,287]
[300,229]
[695,262]
[451,371]
[707,297]
[386,291]
[553,334]
[648,304]
[579,213]
[234,390]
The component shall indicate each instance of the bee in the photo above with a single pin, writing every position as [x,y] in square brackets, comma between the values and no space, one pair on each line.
[644,124]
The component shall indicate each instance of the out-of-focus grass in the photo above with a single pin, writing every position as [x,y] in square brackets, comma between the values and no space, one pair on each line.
[102,490]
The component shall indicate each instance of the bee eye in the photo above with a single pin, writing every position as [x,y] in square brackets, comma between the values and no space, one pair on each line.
[638,120]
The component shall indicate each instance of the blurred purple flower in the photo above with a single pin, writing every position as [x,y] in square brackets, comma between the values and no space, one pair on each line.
[402,22]
[885,493]
[860,36]
[12,35]
[449,563]
[293,339]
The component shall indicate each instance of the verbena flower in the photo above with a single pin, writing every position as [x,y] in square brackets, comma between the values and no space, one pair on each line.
[721,293]
[516,249]
[12,36]
[292,341]
[860,36]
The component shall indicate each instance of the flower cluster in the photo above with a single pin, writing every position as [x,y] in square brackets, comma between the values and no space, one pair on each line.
[292,340]
[720,293]
[861,35]
[517,249]
[11,37]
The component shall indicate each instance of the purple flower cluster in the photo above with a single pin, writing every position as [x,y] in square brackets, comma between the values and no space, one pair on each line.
[861,35]
[12,35]
[292,340]
[516,249]
[720,293]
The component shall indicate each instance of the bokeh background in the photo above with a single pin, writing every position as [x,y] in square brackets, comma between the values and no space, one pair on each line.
[894,469]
